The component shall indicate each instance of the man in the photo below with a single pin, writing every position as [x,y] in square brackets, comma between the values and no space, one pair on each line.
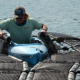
[21,26]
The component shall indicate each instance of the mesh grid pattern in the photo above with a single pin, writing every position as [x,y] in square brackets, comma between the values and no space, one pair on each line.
[49,76]
[52,71]
[56,68]
[10,69]
[66,58]
[73,42]
[9,76]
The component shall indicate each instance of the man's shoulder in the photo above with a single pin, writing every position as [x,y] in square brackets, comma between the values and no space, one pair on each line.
[31,19]
[8,20]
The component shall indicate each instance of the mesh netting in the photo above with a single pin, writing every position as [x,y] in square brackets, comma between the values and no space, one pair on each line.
[10,69]
[10,76]
[4,58]
[51,71]
[56,68]
[70,57]
[49,76]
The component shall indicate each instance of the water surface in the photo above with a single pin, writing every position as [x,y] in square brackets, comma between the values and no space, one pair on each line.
[61,16]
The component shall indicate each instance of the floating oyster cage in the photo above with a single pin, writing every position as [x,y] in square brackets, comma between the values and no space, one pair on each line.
[63,65]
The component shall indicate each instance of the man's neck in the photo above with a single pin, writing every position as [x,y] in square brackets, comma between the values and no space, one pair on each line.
[21,23]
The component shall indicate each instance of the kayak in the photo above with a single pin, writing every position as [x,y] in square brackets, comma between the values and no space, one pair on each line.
[33,52]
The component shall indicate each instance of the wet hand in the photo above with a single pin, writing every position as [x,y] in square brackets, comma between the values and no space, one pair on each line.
[44,31]
[1,34]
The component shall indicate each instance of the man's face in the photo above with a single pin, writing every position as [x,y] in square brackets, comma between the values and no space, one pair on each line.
[19,20]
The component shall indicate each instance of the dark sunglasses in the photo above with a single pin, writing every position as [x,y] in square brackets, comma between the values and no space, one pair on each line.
[19,18]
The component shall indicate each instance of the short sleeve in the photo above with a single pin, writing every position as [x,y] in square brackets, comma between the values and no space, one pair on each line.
[4,24]
[36,24]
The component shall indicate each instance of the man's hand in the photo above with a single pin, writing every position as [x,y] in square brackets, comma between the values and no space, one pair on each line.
[44,29]
[1,34]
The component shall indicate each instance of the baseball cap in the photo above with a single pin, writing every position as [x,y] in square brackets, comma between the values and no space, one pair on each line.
[19,12]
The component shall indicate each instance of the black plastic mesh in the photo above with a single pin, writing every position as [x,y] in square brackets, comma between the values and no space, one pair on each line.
[10,69]
[52,71]
[1,45]
[56,68]
[49,76]
[73,42]
[10,76]
[7,59]
[71,57]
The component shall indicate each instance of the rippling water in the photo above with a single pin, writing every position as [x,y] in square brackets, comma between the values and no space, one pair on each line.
[61,16]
